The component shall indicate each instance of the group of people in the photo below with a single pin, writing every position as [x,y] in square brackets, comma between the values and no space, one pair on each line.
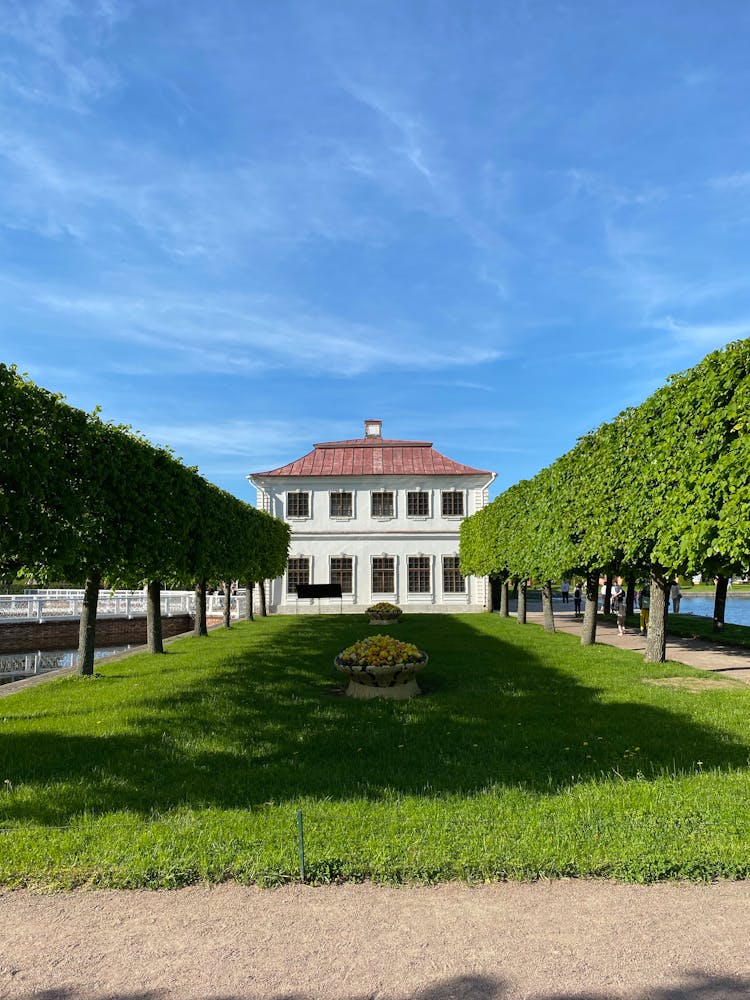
[618,602]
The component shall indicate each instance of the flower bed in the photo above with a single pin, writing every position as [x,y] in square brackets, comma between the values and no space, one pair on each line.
[381,667]
[384,613]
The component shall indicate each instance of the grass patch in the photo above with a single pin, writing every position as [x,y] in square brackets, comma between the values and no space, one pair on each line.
[529,756]
[698,685]
[699,627]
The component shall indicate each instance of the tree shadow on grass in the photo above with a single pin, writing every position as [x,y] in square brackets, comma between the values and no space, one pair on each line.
[258,724]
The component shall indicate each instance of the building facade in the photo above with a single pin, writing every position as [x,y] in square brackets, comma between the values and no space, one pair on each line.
[380,517]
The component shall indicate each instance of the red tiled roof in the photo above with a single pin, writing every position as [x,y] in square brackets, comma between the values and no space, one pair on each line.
[374,457]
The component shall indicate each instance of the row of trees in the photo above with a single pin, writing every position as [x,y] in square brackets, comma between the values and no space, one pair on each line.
[660,491]
[92,503]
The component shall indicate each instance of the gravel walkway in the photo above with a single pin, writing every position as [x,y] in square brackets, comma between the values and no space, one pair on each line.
[567,940]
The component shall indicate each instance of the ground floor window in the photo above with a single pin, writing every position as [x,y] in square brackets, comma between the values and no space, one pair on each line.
[453,582]
[419,574]
[297,571]
[383,575]
[342,572]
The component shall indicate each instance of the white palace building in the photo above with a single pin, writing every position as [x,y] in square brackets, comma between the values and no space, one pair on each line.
[379,517]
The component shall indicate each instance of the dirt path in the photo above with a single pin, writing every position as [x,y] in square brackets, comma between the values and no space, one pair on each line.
[568,940]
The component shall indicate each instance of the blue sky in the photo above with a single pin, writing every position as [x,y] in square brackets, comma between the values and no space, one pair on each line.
[243,227]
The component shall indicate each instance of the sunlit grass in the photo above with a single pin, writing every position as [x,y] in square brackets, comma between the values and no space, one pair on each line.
[529,755]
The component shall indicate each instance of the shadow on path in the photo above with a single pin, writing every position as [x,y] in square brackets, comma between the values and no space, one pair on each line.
[467,987]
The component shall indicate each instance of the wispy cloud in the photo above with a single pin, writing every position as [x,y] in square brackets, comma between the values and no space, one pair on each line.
[43,65]
[705,335]
[183,211]
[238,335]
[732,182]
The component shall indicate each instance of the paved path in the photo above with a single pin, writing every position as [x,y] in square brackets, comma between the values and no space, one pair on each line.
[725,660]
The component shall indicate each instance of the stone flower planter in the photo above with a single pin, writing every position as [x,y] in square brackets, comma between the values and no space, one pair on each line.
[393,681]
[384,613]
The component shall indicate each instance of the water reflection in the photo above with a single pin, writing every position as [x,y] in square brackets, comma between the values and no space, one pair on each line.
[15,666]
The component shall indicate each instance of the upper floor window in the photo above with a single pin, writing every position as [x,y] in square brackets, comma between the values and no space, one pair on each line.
[418,504]
[419,574]
[453,503]
[382,504]
[383,575]
[298,504]
[453,581]
[341,572]
[297,571]
[341,504]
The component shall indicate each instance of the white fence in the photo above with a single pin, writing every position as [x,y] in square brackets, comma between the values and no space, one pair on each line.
[55,605]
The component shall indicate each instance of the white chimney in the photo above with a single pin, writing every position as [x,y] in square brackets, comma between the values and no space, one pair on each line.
[373,428]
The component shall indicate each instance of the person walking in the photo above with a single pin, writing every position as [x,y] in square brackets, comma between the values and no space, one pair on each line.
[675,595]
[565,592]
[577,601]
[619,606]
[644,603]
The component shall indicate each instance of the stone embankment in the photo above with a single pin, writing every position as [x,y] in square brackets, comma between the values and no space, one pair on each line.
[27,636]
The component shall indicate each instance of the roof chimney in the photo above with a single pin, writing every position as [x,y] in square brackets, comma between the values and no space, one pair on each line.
[373,428]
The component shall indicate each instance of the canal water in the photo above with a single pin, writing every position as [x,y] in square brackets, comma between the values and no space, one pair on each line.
[737,611]
[15,666]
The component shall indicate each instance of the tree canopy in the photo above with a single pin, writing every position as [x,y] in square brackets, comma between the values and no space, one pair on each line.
[661,490]
[89,501]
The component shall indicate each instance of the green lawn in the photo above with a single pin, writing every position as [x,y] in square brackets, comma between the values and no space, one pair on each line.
[697,627]
[528,756]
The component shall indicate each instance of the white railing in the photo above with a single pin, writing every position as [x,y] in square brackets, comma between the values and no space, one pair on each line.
[51,605]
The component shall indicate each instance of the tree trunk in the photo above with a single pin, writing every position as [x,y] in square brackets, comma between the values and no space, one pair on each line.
[488,602]
[547,611]
[154,631]
[720,602]
[504,599]
[200,628]
[250,592]
[262,595]
[630,596]
[607,603]
[656,638]
[521,613]
[87,628]
[588,629]
[227,615]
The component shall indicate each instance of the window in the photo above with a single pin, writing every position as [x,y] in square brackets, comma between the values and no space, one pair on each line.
[453,504]
[297,571]
[418,504]
[298,504]
[341,504]
[419,574]
[341,572]
[453,582]
[383,575]
[382,505]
